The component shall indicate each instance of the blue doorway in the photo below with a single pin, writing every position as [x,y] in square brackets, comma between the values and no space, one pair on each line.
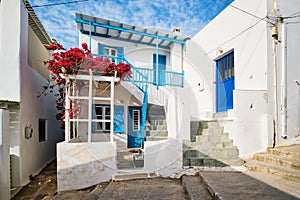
[225,82]
[162,62]
[135,135]
[119,119]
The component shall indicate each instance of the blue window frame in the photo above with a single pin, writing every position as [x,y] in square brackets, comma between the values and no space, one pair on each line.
[102,112]
[111,51]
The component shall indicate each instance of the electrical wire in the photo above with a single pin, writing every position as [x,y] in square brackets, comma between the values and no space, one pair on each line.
[244,11]
[253,25]
[57,4]
[297,22]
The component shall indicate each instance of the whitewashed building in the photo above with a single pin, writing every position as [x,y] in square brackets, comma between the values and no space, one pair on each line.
[206,101]
[249,64]
[29,131]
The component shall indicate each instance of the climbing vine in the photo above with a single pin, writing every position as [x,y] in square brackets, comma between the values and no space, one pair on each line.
[75,61]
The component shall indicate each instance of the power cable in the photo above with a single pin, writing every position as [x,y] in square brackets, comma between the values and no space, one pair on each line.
[57,4]
[244,11]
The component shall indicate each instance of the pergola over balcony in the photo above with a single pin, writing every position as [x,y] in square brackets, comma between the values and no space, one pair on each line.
[124,32]
[77,97]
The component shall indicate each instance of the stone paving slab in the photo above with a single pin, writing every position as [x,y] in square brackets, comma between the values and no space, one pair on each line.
[237,185]
[196,188]
[155,188]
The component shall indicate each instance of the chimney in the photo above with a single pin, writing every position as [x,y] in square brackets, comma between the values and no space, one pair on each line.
[175,30]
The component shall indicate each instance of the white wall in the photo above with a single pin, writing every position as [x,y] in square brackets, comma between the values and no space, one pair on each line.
[4,155]
[30,155]
[224,32]
[247,36]
[139,55]
[163,157]
[10,42]
[81,165]
[250,38]
[287,8]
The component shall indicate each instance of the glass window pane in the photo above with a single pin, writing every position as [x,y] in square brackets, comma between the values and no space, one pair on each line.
[107,126]
[106,51]
[223,70]
[113,52]
[229,67]
[232,63]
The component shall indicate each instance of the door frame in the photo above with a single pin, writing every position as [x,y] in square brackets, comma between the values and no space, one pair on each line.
[225,81]
[135,138]
[162,67]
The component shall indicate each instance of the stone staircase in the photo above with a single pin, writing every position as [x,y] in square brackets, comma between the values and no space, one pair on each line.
[156,127]
[210,146]
[280,161]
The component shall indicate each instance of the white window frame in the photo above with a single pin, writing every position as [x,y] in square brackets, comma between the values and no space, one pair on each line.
[109,53]
[136,127]
[103,109]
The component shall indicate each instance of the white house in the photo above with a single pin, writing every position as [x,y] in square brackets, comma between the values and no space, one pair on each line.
[206,101]
[249,64]
[29,129]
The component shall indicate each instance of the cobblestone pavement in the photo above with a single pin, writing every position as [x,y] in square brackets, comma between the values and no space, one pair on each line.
[205,186]
[44,187]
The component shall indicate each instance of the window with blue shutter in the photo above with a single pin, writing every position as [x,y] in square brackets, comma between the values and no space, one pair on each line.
[115,54]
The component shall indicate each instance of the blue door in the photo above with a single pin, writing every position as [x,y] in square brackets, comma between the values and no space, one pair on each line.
[162,61]
[225,82]
[119,119]
[135,135]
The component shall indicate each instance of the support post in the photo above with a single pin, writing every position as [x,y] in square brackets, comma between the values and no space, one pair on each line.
[157,81]
[90,109]
[90,41]
[67,111]
[112,94]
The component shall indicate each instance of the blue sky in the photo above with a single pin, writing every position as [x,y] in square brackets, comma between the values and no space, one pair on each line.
[188,15]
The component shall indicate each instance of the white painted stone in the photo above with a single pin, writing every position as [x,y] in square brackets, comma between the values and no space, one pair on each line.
[81,165]
[163,157]
[4,155]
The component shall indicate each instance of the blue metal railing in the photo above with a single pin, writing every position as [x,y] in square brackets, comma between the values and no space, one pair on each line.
[164,77]
[147,75]
[141,77]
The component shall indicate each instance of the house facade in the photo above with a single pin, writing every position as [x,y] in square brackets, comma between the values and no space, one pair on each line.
[29,128]
[143,108]
[249,62]
[230,91]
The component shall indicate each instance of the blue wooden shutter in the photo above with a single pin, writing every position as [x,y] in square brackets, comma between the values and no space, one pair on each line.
[101,48]
[120,54]
[94,124]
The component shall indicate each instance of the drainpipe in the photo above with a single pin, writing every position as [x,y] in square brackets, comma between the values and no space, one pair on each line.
[283,105]
[275,117]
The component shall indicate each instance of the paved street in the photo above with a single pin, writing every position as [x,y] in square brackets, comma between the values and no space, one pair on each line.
[205,186]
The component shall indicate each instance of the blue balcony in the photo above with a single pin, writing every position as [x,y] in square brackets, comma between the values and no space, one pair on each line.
[140,75]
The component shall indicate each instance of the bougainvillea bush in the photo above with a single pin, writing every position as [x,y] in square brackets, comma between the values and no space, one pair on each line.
[75,61]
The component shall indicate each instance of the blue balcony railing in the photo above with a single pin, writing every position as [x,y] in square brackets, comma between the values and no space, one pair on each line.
[148,75]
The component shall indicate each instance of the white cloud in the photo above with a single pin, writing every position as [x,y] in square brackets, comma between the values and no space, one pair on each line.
[189,15]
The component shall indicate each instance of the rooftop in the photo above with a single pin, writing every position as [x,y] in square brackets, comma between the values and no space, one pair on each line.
[111,29]
[36,25]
